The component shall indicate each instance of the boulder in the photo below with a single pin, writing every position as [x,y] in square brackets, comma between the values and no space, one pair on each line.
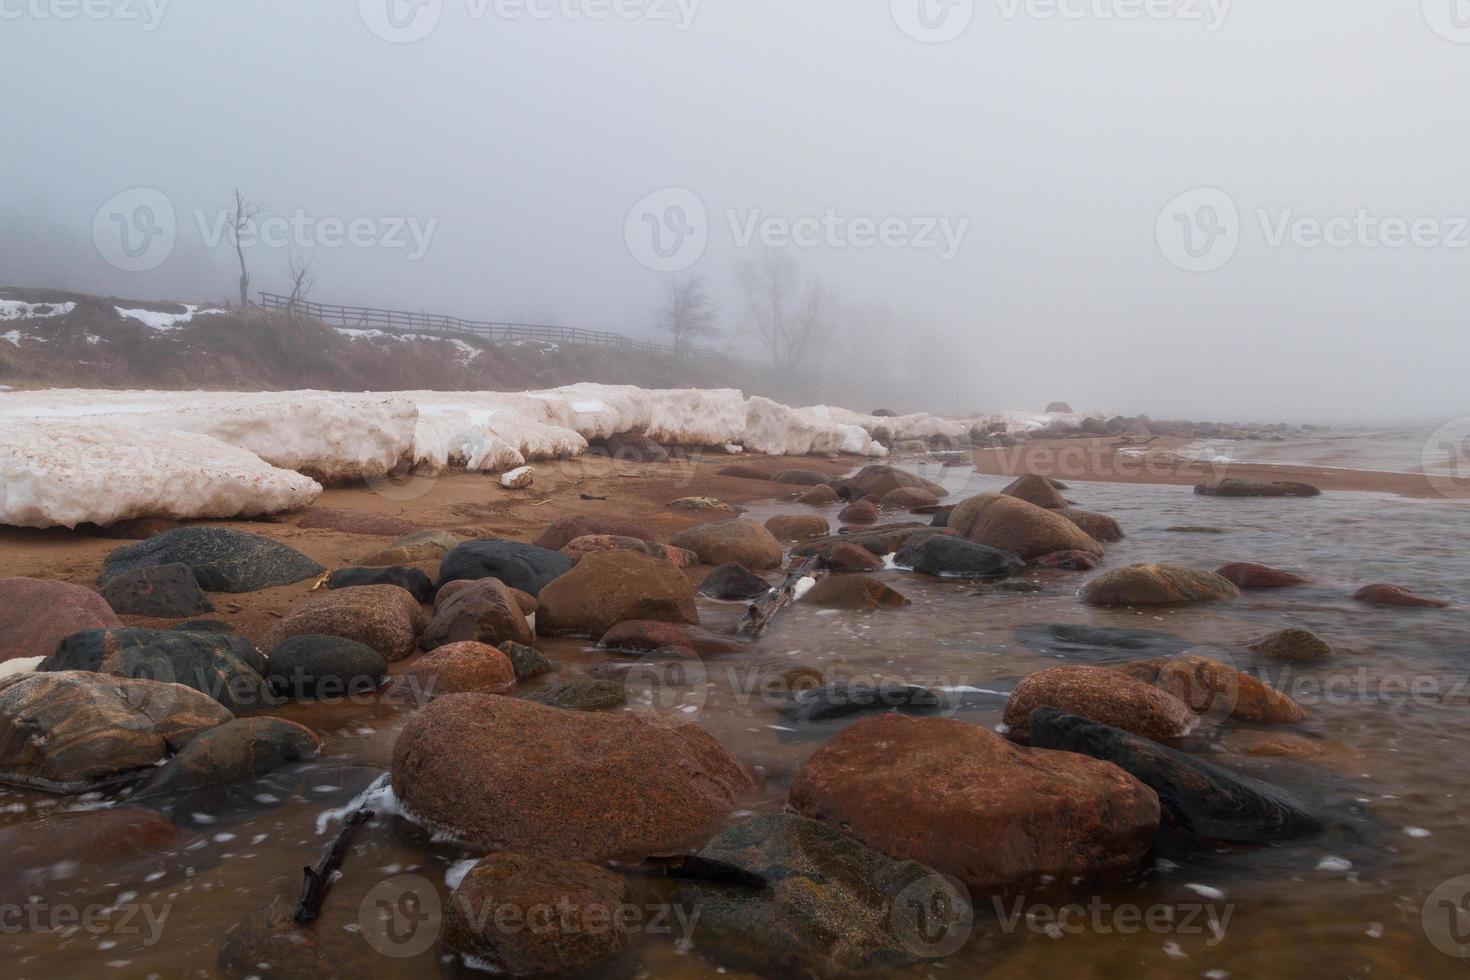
[236,752]
[732,582]
[384,617]
[629,447]
[800,478]
[356,522]
[859,512]
[415,547]
[1104,695]
[1393,595]
[524,601]
[1098,527]
[942,555]
[702,505]
[1248,575]
[221,560]
[527,567]
[576,548]
[1207,801]
[822,496]
[644,636]
[310,668]
[528,662]
[789,527]
[485,611]
[71,731]
[37,614]
[164,591]
[853,592]
[966,802]
[1069,561]
[32,853]
[455,668]
[1255,488]
[832,907]
[882,480]
[1156,585]
[839,555]
[223,666]
[611,587]
[1293,646]
[886,539]
[559,533]
[584,903]
[1216,690]
[581,694]
[1013,525]
[591,786]
[1036,490]
[908,498]
[840,700]
[743,542]
[411,580]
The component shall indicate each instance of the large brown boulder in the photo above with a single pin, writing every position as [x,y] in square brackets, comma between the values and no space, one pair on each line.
[1255,488]
[1100,694]
[1393,595]
[1294,646]
[1013,525]
[69,731]
[31,851]
[822,496]
[560,533]
[238,751]
[1249,575]
[1216,690]
[385,617]
[645,636]
[908,498]
[1036,490]
[840,556]
[853,592]
[485,611]
[743,542]
[859,512]
[455,668]
[797,527]
[36,615]
[504,774]
[589,543]
[970,804]
[611,587]
[881,480]
[1099,527]
[1156,585]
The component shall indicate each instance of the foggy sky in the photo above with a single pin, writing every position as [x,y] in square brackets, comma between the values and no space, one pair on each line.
[1058,140]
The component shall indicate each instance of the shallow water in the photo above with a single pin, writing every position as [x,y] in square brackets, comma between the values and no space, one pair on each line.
[1392,714]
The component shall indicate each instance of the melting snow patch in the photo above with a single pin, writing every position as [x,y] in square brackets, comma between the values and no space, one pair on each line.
[163,321]
[803,587]
[1331,863]
[14,309]
[1213,894]
[13,336]
[1417,832]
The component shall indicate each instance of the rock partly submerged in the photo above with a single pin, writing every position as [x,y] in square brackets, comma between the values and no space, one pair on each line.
[1156,585]
[1101,694]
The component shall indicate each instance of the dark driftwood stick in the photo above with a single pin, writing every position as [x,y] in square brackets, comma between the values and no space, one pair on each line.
[319,879]
[760,613]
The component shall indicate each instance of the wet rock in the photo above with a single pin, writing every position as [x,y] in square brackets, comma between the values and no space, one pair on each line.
[629,447]
[957,558]
[859,512]
[165,591]
[384,617]
[581,694]
[455,668]
[1013,525]
[1098,527]
[1255,488]
[838,555]
[1205,800]
[1393,595]
[416,547]
[586,904]
[1156,585]
[1293,646]
[589,543]
[849,699]
[853,592]
[1217,690]
[970,804]
[702,505]
[1069,561]
[559,533]
[1102,694]
[800,478]
[68,732]
[1036,490]
[822,496]
[528,662]
[221,560]
[1097,643]
[35,853]
[486,611]
[643,636]
[830,909]
[886,539]
[788,527]
[732,582]
[611,587]
[908,498]
[36,615]
[742,542]
[591,786]
[1248,575]
[741,472]
[526,602]
[239,751]
[413,581]
[527,567]
[882,480]
[356,522]
[309,668]
[225,667]
[1278,745]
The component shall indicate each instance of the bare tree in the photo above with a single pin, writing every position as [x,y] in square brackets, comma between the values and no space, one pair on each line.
[302,277]
[687,312]
[789,321]
[241,218]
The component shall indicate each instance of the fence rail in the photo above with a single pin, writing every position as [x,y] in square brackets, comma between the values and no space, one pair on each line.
[367,318]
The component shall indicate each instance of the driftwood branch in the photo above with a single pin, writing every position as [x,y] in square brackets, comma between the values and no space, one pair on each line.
[762,611]
[319,879]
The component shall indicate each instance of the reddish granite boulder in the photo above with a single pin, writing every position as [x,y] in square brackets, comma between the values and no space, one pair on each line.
[1294,646]
[882,480]
[743,542]
[485,611]
[1099,694]
[1013,525]
[859,512]
[853,592]
[37,614]
[1156,585]
[384,617]
[1393,595]
[908,498]
[1216,690]
[1099,527]
[823,496]
[645,636]
[455,668]
[560,533]
[1248,575]
[1036,490]
[611,587]
[797,527]
[839,555]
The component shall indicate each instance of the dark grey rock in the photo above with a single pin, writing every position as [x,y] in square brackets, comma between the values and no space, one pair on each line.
[306,668]
[166,591]
[411,580]
[223,666]
[952,557]
[520,566]
[221,560]
[733,582]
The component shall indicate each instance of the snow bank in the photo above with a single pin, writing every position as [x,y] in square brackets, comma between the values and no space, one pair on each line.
[486,430]
[14,309]
[163,321]
[697,416]
[67,472]
[597,411]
